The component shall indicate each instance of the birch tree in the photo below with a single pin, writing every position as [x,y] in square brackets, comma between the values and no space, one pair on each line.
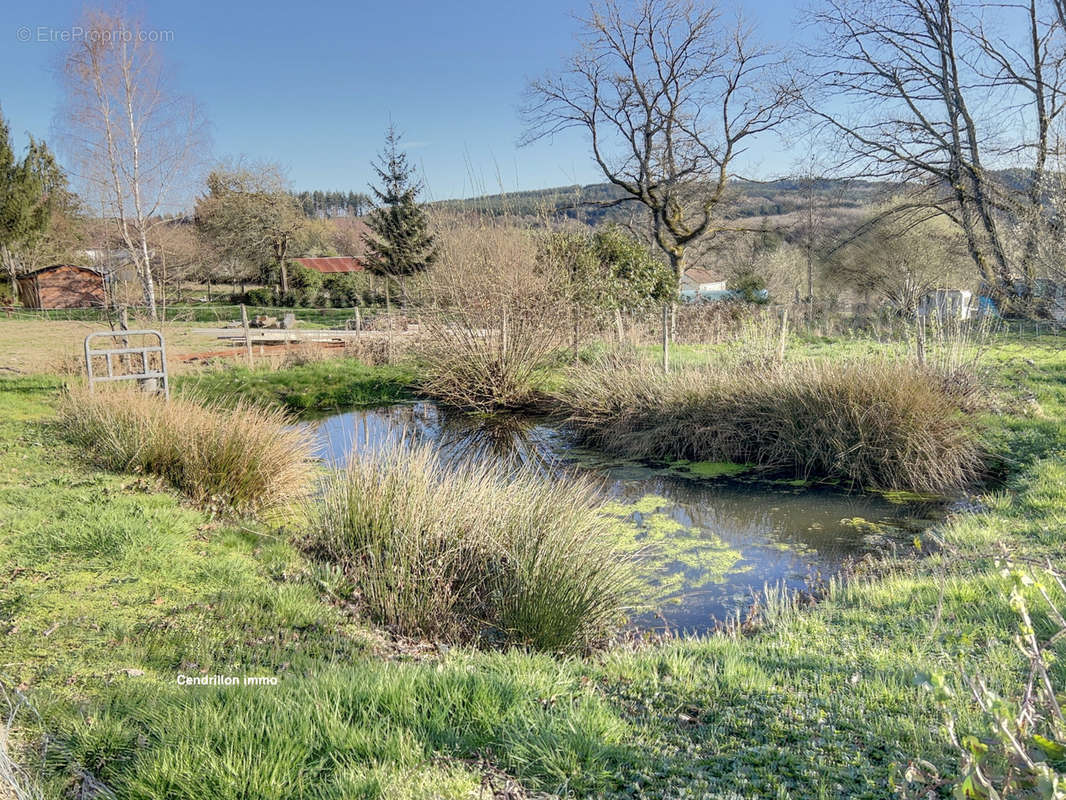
[134,142]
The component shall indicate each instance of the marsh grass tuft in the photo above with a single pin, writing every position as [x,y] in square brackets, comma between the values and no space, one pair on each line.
[242,458]
[488,360]
[473,552]
[870,423]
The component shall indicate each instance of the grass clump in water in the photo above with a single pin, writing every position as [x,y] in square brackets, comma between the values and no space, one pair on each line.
[474,552]
[866,422]
[245,458]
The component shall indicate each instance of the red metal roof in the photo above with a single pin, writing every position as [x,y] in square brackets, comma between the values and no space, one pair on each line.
[332,264]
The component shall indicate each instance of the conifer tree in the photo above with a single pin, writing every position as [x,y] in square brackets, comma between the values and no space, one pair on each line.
[30,189]
[400,243]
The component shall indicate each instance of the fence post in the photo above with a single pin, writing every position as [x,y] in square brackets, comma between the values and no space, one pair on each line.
[247,334]
[784,335]
[666,337]
[920,335]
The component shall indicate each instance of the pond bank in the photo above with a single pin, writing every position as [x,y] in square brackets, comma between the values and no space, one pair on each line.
[111,588]
[710,537]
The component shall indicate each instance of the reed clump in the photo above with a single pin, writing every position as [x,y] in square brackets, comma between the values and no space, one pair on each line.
[242,458]
[473,553]
[867,422]
[488,360]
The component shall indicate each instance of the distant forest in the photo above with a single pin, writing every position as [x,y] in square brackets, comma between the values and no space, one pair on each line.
[752,199]
[586,203]
[320,204]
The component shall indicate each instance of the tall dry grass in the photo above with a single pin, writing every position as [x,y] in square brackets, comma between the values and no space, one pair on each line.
[868,422]
[473,553]
[242,458]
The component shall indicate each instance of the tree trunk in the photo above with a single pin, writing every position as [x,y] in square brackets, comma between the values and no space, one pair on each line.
[12,270]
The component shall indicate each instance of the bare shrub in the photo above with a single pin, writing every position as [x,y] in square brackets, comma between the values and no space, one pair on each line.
[497,321]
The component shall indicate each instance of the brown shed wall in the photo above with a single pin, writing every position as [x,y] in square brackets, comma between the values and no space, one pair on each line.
[66,287]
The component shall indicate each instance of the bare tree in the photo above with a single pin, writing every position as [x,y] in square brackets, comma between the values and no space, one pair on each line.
[134,142]
[670,96]
[921,91]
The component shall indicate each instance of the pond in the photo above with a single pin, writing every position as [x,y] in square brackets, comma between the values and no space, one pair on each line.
[712,539]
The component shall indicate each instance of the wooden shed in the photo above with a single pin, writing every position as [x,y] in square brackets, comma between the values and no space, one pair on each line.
[63,286]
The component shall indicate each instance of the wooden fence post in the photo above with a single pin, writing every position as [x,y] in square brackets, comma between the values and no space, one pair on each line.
[666,337]
[784,335]
[247,334]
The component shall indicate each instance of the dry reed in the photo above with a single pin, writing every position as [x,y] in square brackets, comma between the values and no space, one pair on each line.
[873,422]
[243,458]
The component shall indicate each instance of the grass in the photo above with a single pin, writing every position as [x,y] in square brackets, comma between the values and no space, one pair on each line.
[473,553]
[326,385]
[245,459]
[495,360]
[881,422]
[110,588]
[48,347]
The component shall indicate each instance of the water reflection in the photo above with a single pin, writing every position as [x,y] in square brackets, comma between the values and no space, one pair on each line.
[510,439]
[711,543]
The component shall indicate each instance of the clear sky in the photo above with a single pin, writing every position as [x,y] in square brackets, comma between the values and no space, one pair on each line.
[312,85]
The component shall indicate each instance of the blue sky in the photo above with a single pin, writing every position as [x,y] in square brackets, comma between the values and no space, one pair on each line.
[313,85]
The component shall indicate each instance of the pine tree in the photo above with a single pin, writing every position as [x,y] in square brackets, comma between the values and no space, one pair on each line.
[400,243]
[30,189]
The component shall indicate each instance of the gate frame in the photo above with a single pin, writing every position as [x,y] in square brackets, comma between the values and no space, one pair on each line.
[110,352]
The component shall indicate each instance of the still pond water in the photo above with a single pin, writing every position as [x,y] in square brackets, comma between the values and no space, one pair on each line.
[711,542]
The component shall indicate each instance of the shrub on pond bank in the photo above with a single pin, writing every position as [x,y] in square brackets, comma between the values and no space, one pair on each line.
[879,423]
[488,359]
[473,552]
[243,458]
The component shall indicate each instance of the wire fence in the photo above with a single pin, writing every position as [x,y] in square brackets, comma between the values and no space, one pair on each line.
[688,323]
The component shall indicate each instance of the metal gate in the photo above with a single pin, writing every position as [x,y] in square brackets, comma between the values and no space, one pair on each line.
[148,377]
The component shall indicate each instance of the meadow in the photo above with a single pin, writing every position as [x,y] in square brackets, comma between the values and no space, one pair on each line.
[115,585]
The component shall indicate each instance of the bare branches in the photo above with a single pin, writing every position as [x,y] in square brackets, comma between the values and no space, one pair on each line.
[943,92]
[134,143]
[669,97]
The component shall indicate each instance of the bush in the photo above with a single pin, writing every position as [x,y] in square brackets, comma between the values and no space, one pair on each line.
[343,289]
[244,459]
[261,296]
[475,553]
[491,359]
[868,423]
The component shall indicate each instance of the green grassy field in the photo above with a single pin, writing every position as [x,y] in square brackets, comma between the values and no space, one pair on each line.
[111,588]
[334,383]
